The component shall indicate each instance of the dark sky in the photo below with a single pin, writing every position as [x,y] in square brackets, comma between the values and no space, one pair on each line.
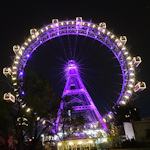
[123,17]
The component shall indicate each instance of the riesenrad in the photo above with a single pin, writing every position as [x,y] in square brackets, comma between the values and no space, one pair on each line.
[98,32]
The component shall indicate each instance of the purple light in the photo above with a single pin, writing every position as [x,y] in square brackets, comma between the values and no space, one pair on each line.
[28,55]
[74,79]
[21,73]
[23,93]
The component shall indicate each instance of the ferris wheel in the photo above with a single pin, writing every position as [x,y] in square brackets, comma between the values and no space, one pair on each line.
[99,32]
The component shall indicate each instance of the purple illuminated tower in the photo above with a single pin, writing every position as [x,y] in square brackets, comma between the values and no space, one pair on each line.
[80,99]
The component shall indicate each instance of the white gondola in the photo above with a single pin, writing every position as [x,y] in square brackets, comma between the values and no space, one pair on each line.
[55,21]
[16,48]
[33,31]
[78,18]
[136,61]
[140,86]
[102,25]
[9,97]
[123,39]
[7,71]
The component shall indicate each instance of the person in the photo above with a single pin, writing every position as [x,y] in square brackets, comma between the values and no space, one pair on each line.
[10,142]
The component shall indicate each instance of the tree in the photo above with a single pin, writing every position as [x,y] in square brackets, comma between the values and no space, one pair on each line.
[43,102]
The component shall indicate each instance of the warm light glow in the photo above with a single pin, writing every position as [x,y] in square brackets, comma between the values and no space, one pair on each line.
[44,121]
[70,143]
[131,74]
[103,30]
[17,57]
[109,116]
[16,62]
[28,109]
[112,36]
[42,30]
[93,26]
[80,142]
[22,48]
[126,96]
[46,28]
[14,67]
[104,139]
[26,43]
[126,53]
[29,39]
[14,78]
[129,57]
[38,118]
[104,119]
[130,85]
[123,102]
[129,91]
[59,144]
[132,80]
[90,141]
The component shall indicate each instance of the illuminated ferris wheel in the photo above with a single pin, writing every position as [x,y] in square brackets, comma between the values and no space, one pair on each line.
[80,27]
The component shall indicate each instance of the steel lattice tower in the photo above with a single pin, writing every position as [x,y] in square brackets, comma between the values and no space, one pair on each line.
[80,99]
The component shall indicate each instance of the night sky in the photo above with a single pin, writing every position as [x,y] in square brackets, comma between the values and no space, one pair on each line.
[98,67]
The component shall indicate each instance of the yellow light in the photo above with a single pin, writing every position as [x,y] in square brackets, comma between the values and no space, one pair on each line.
[89,24]
[62,23]
[29,39]
[116,40]
[126,53]
[104,119]
[67,22]
[59,144]
[14,78]
[28,110]
[80,142]
[112,36]
[26,43]
[109,116]
[132,80]
[93,25]
[52,26]
[83,23]
[14,73]
[129,91]
[20,52]
[15,83]
[70,143]
[123,102]
[108,33]
[17,57]
[90,141]
[46,28]
[130,85]
[130,63]
[72,22]
[22,48]
[131,68]
[14,67]
[43,122]
[42,30]
[128,58]
[123,48]
[16,62]
[23,106]
[131,74]
[103,30]
[126,96]
[104,139]
[38,118]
